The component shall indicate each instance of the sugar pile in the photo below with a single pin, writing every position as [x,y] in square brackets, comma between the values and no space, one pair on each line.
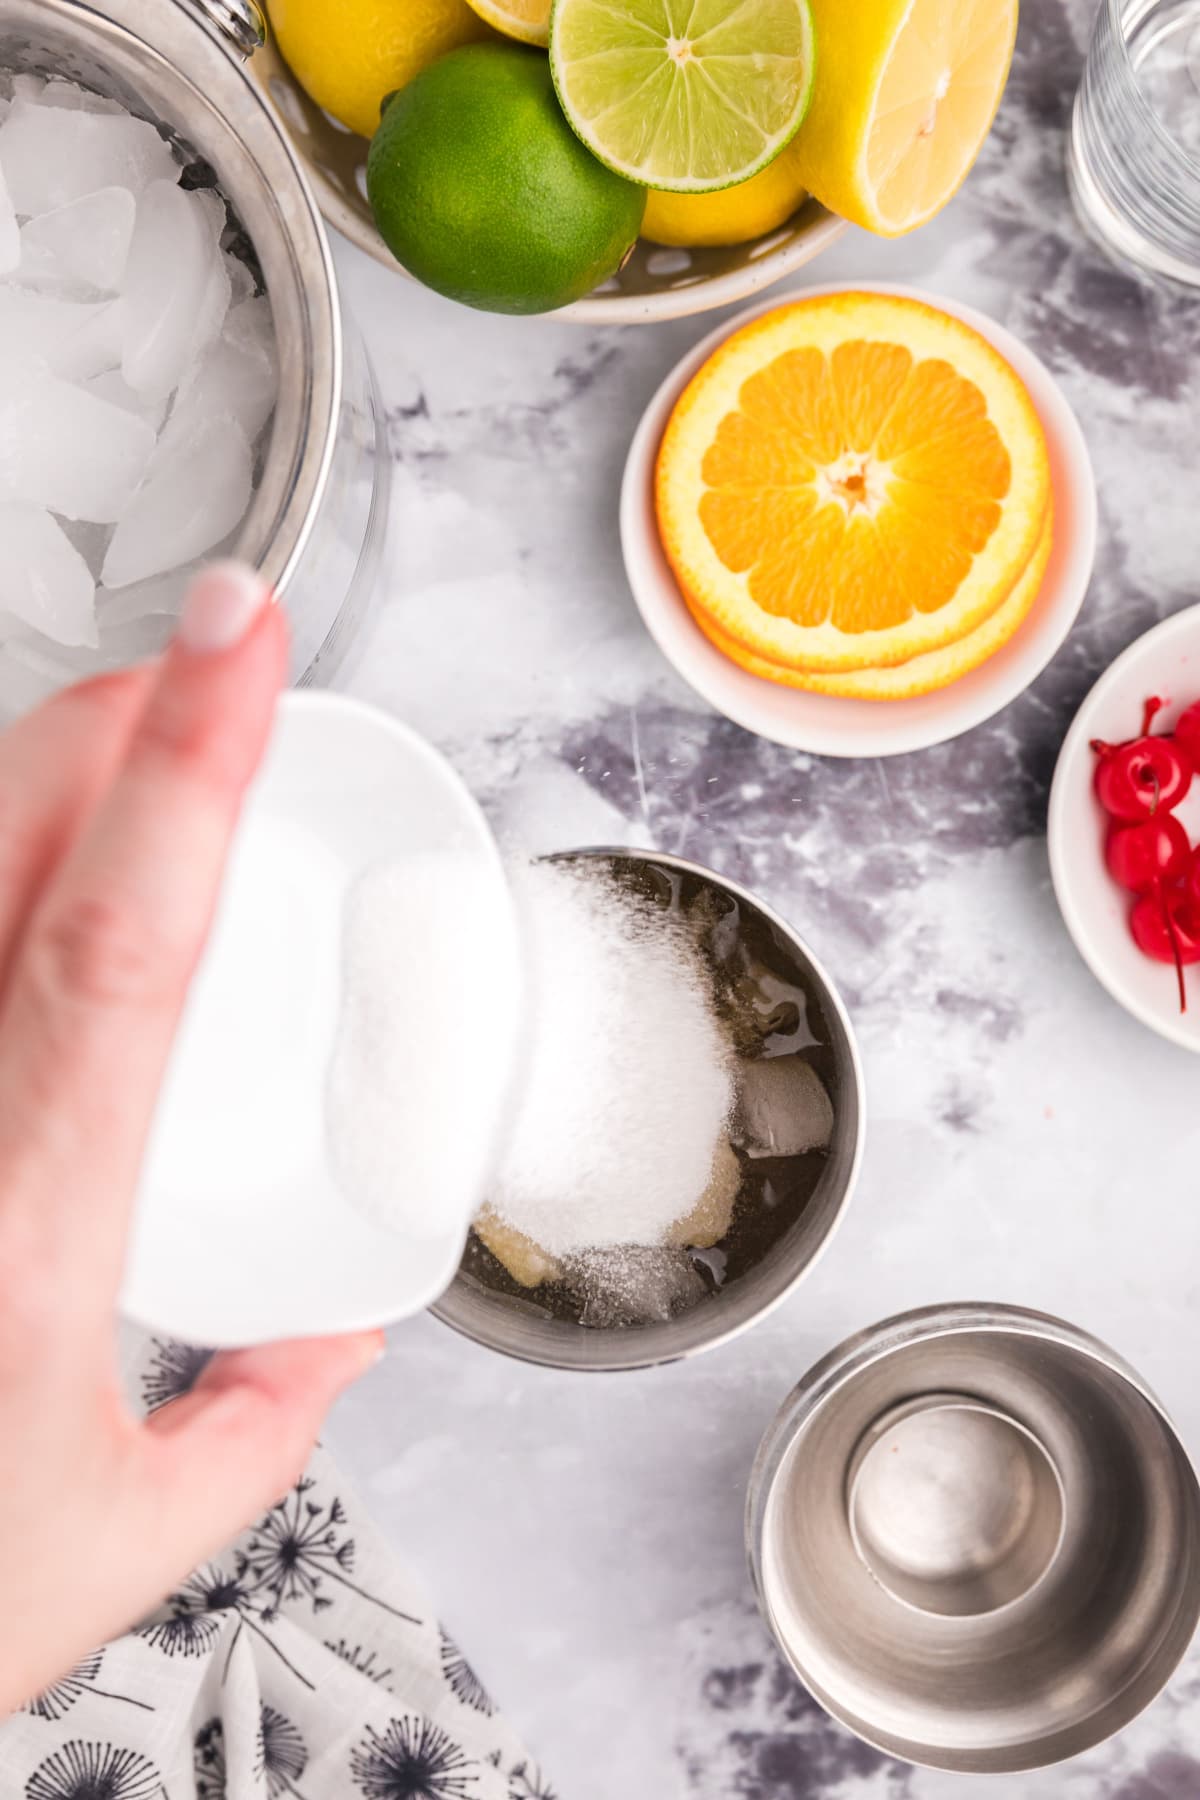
[138,374]
[629,1083]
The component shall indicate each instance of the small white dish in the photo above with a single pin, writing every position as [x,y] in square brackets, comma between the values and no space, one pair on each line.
[242,1234]
[820,722]
[1165,662]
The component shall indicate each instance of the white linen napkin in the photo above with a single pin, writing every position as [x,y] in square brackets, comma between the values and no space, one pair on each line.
[304,1662]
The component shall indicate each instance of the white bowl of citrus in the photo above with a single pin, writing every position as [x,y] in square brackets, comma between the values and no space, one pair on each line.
[601,158]
[859,523]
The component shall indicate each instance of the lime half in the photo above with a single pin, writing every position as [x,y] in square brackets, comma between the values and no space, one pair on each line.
[683,95]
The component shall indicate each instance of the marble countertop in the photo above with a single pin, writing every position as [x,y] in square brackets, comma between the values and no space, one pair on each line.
[1028,1141]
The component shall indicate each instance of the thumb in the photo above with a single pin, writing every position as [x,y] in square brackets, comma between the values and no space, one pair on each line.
[227,1450]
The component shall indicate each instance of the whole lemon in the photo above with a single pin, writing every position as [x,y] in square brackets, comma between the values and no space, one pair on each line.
[482,190]
[349,55]
[732,215]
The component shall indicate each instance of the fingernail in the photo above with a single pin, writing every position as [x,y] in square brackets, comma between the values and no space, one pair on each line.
[221,605]
[374,1349]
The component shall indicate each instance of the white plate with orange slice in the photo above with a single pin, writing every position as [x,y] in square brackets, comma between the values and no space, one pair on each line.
[859,523]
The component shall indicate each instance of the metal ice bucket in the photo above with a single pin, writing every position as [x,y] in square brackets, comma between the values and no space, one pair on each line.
[316,523]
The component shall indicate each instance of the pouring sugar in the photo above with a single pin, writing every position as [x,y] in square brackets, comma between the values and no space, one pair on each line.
[360,1028]
[327,1026]
[627,1084]
[425,976]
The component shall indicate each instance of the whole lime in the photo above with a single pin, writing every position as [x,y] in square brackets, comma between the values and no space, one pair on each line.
[482,190]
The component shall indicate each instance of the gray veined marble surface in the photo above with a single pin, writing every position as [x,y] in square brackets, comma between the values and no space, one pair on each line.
[1028,1141]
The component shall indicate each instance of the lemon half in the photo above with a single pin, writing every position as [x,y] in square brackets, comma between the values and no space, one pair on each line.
[905,96]
[527,20]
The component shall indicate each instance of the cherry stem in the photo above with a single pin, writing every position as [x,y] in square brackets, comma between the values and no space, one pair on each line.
[1173,934]
[1150,712]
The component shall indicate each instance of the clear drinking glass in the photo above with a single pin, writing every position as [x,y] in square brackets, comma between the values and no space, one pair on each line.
[1134,157]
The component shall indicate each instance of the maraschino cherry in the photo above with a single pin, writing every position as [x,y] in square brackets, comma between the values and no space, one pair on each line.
[1147,775]
[1192,879]
[1187,733]
[1145,856]
[1166,927]
[1147,850]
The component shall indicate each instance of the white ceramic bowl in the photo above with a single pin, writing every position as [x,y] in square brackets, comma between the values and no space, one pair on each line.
[242,1233]
[1166,662]
[820,722]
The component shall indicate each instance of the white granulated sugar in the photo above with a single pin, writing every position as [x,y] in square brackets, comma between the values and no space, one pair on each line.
[420,1072]
[629,1081]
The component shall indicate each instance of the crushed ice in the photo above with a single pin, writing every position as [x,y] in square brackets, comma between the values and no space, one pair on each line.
[138,374]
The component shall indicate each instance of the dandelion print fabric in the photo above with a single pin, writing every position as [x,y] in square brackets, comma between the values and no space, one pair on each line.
[303,1664]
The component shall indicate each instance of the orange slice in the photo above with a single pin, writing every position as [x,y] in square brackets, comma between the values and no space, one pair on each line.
[851,481]
[921,674]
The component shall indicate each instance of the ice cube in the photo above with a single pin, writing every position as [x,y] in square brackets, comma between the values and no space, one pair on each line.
[63,449]
[193,496]
[71,97]
[76,339]
[10,234]
[783,1108]
[91,541]
[87,239]
[764,1013]
[134,640]
[242,285]
[44,581]
[94,347]
[218,294]
[176,288]
[235,378]
[41,272]
[113,387]
[28,87]
[159,596]
[32,668]
[52,156]
[631,1285]
[23,684]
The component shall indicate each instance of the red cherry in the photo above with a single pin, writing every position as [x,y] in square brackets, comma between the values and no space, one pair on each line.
[1139,779]
[1144,776]
[1140,856]
[1187,733]
[1149,924]
[1166,927]
[1191,883]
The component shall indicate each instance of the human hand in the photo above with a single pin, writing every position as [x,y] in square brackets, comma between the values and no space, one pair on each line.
[118,800]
